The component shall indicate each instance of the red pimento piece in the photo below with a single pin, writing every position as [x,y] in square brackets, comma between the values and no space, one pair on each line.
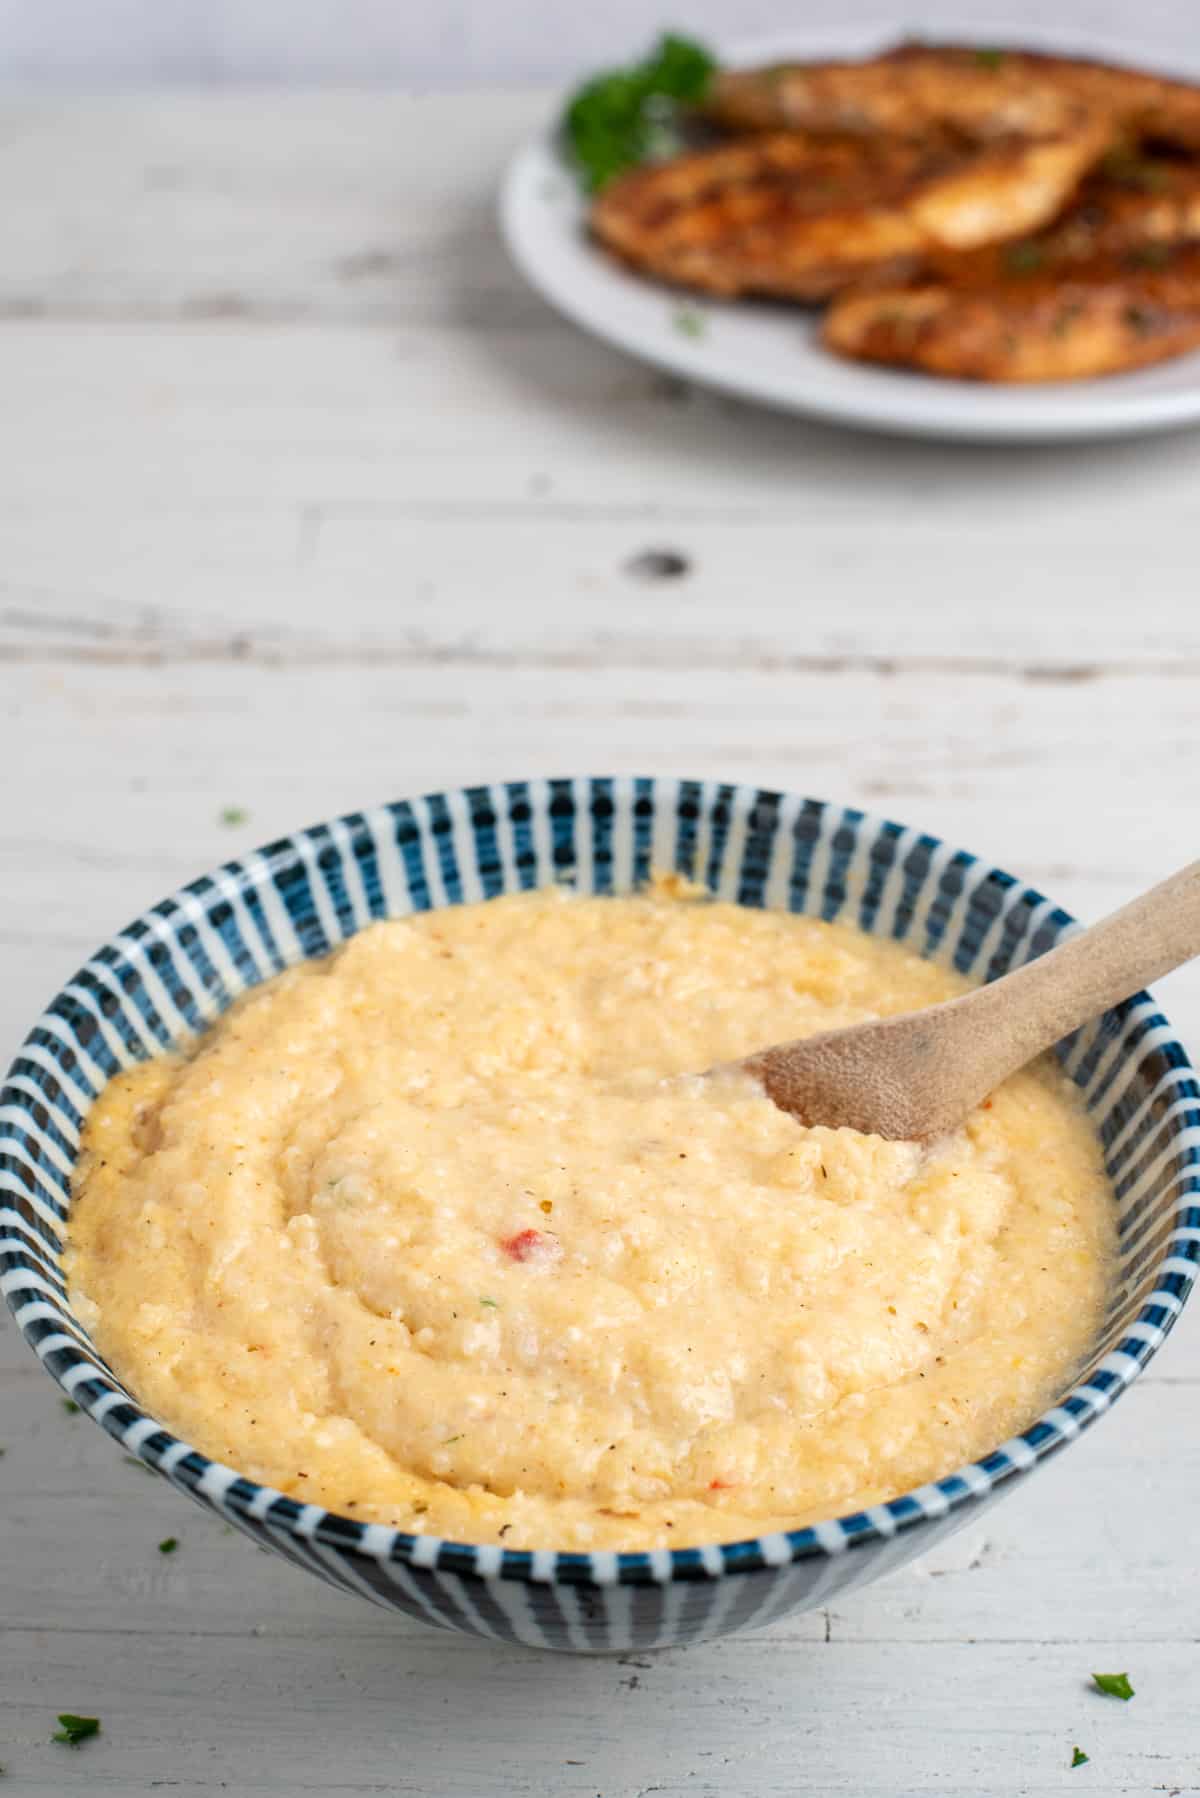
[530,1245]
[720,1485]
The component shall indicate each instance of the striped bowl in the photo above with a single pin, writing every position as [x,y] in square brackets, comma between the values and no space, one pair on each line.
[180,964]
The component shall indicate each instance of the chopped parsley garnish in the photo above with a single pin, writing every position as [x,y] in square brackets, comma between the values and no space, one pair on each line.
[1023,258]
[70,1407]
[1150,255]
[1065,318]
[492,1304]
[689,323]
[168,1545]
[75,1729]
[446,1441]
[1142,320]
[624,116]
[990,59]
[1078,1758]
[1114,1685]
[1132,170]
[233,815]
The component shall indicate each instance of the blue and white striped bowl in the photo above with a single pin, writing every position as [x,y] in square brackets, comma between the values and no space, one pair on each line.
[180,964]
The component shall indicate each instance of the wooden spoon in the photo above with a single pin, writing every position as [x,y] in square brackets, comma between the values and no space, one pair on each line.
[916,1076]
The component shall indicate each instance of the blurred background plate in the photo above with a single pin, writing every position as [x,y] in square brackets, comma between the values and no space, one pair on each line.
[769,352]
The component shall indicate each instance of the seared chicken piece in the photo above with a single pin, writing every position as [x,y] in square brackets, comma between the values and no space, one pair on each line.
[1059,320]
[1132,201]
[985,93]
[797,217]
[1145,106]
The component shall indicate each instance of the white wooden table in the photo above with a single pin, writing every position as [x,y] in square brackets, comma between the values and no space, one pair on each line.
[306,502]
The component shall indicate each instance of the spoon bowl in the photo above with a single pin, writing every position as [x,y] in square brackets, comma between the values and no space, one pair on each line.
[916,1076]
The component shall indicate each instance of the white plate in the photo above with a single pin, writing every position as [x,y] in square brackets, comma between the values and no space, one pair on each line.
[769,352]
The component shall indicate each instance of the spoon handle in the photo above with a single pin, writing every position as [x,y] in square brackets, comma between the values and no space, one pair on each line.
[917,1075]
[1048,998]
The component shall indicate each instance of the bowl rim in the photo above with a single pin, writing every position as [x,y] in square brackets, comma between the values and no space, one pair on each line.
[100,1393]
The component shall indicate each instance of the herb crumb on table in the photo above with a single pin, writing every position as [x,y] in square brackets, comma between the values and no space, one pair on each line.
[1113,1685]
[73,1729]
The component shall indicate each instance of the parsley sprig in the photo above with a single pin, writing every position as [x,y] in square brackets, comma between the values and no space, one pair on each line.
[625,116]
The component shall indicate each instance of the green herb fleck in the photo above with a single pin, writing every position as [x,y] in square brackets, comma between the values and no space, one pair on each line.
[1078,1758]
[132,1461]
[1065,318]
[1142,320]
[1150,255]
[233,815]
[70,1407]
[623,116]
[492,1304]
[1023,258]
[689,323]
[990,59]
[1114,1685]
[75,1729]
[168,1545]
[447,1440]
[1132,170]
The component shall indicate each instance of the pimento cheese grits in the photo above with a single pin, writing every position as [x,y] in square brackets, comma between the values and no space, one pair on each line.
[447,1232]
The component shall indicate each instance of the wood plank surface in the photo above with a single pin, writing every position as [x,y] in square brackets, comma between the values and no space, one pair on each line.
[305,503]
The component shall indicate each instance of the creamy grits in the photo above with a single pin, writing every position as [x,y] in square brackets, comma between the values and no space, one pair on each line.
[446,1231]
